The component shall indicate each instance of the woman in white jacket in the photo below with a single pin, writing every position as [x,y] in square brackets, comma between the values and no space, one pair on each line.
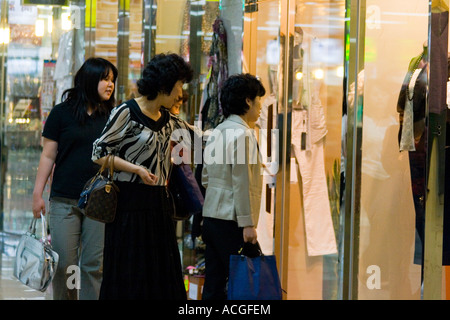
[233,181]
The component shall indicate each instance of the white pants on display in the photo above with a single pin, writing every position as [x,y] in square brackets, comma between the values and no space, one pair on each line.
[264,229]
[320,236]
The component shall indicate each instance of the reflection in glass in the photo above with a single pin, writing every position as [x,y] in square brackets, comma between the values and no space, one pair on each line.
[28,92]
[389,177]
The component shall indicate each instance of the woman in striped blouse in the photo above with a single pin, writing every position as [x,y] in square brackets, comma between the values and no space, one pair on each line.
[141,257]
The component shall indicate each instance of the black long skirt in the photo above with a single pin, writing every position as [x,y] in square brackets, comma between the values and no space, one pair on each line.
[141,257]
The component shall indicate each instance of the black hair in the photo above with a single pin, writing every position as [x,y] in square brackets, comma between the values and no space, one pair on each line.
[161,74]
[85,90]
[236,89]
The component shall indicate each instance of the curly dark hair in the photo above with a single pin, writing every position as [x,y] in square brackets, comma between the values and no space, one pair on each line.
[85,89]
[161,74]
[236,89]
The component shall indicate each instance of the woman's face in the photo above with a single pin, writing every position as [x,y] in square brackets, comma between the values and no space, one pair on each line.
[106,87]
[254,111]
[176,106]
[174,95]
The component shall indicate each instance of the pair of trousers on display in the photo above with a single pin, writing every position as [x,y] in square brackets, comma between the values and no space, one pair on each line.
[320,236]
[79,242]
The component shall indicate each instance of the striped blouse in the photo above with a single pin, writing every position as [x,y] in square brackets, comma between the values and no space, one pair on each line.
[132,136]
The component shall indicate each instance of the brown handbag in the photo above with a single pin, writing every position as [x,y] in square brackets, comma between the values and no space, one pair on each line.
[98,200]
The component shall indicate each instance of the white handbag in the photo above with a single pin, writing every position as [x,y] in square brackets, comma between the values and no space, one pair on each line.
[36,262]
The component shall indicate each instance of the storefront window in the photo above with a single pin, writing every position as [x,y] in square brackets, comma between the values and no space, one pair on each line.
[30,48]
[392,205]
[353,121]
[317,88]
[297,49]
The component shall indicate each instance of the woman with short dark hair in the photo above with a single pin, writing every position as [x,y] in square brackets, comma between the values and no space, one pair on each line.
[233,181]
[141,257]
[235,92]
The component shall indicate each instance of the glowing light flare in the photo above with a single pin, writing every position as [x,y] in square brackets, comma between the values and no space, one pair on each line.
[66,23]
[318,74]
[4,35]
[39,28]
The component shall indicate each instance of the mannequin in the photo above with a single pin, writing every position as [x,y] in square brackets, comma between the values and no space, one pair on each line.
[418,156]
[418,153]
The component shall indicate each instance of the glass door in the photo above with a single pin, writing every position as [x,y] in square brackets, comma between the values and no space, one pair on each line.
[297,49]
[316,82]
[395,191]
[30,45]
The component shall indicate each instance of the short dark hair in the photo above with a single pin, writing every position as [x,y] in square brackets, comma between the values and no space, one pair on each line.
[236,89]
[85,88]
[161,74]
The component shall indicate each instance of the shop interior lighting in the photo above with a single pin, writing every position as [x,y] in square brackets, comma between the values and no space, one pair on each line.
[299,75]
[4,35]
[50,24]
[66,24]
[22,120]
[39,28]
[319,74]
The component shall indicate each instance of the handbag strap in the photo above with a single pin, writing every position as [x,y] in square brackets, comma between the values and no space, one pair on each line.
[32,228]
[109,161]
[111,166]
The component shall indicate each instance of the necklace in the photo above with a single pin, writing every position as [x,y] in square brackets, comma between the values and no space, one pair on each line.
[411,75]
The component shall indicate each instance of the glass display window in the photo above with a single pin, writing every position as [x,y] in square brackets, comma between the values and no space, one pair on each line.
[297,49]
[353,129]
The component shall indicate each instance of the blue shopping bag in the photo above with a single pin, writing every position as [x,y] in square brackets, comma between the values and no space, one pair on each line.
[253,278]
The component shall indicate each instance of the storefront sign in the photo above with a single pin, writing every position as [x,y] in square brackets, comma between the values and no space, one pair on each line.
[46,2]
[47,89]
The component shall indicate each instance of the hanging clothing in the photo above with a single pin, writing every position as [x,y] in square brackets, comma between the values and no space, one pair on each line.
[211,113]
[265,229]
[407,133]
[417,97]
[320,235]
[308,132]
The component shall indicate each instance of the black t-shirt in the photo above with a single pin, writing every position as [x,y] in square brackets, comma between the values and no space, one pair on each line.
[73,164]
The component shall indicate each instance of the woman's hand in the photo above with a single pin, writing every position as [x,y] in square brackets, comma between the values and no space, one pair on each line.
[46,164]
[146,176]
[38,207]
[250,235]
[124,165]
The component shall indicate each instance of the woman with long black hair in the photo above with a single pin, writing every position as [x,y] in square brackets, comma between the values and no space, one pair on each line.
[69,131]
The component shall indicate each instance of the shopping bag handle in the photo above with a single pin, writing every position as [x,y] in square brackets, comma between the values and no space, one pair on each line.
[32,228]
[251,250]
